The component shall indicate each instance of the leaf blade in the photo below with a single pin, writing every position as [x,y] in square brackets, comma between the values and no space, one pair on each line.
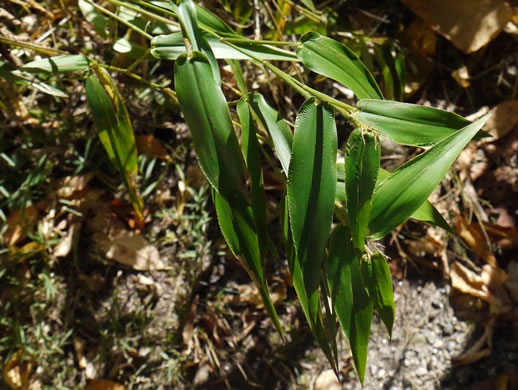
[401,194]
[330,58]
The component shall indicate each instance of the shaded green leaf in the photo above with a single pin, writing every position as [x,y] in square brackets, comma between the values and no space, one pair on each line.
[376,277]
[170,46]
[407,188]
[351,302]
[276,127]
[362,164]
[58,64]
[330,58]
[314,315]
[252,155]
[115,131]
[409,124]
[206,112]
[96,18]
[311,189]
[188,19]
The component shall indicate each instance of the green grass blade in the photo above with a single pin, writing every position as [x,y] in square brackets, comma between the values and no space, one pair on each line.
[351,302]
[252,155]
[115,131]
[362,163]
[311,190]
[206,112]
[409,124]
[188,19]
[407,188]
[58,64]
[170,46]
[330,58]
[276,127]
[377,279]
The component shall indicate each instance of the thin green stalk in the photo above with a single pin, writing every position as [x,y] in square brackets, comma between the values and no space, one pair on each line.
[32,46]
[120,20]
[168,91]
[263,42]
[151,15]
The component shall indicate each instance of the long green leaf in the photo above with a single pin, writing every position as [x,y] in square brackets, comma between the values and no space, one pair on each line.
[311,189]
[425,213]
[351,302]
[409,124]
[68,63]
[239,229]
[315,321]
[376,277]
[188,19]
[407,188]
[330,58]
[362,164]
[206,112]
[170,46]
[276,127]
[252,155]
[115,131]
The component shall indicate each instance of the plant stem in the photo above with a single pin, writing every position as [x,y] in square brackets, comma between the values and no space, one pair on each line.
[120,20]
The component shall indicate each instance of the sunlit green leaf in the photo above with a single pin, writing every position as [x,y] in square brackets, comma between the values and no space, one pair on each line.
[362,164]
[330,58]
[311,189]
[409,124]
[96,18]
[115,131]
[276,127]
[351,302]
[377,279]
[58,64]
[407,188]
[170,46]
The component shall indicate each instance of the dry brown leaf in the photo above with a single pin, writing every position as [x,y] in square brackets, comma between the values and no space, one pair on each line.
[16,372]
[65,246]
[487,285]
[503,119]
[18,223]
[151,147]
[469,24]
[130,249]
[475,238]
[103,384]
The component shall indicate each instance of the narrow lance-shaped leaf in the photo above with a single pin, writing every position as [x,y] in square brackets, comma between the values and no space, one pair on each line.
[113,124]
[206,112]
[252,156]
[315,322]
[409,124]
[377,279]
[351,302]
[407,188]
[362,164]
[188,19]
[311,190]
[170,46]
[276,127]
[68,63]
[330,58]
[425,213]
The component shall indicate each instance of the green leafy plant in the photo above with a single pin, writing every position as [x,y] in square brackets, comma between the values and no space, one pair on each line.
[331,213]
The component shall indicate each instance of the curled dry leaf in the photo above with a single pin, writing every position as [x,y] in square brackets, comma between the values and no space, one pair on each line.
[480,349]
[474,236]
[468,24]
[487,285]
[503,119]
[151,147]
[16,372]
[65,246]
